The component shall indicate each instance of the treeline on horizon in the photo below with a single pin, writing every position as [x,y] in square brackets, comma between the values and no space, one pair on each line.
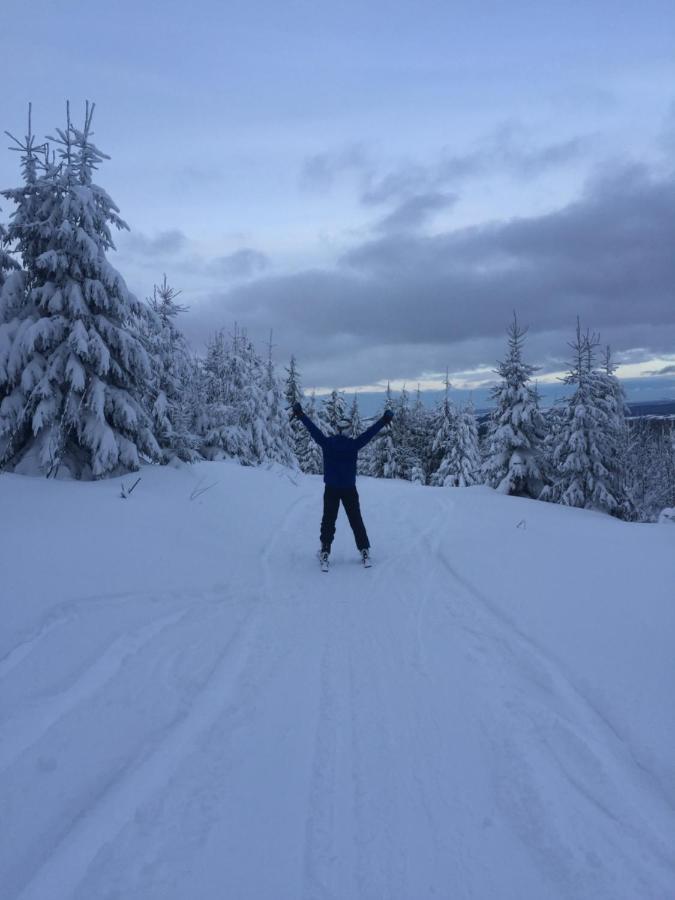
[93,382]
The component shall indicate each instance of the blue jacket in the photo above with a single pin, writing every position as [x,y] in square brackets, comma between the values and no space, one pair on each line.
[340,452]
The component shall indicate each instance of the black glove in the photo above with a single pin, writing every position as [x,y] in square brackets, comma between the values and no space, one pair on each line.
[297,410]
[388,415]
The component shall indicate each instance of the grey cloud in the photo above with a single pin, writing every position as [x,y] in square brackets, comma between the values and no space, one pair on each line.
[163,244]
[506,151]
[196,175]
[242,263]
[414,212]
[666,370]
[171,251]
[407,303]
[320,171]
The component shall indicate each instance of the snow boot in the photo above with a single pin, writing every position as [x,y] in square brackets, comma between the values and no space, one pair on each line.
[365,558]
[323,560]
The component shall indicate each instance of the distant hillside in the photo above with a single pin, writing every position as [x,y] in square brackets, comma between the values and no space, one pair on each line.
[653,408]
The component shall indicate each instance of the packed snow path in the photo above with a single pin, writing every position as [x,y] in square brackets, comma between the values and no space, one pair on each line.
[240,725]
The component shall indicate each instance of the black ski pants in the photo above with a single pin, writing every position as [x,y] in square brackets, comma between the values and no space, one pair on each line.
[331,504]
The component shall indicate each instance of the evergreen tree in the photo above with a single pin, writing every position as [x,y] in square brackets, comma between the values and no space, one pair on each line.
[333,412]
[219,429]
[277,434]
[554,419]
[311,459]
[194,398]
[403,438]
[382,456]
[354,417]
[651,466]
[582,454]
[77,369]
[513,463]
[420,440]
[444,444]
[293,394]
[467,468]
[7,262]
[614,437]
[356,427]
[16,316]
[244,415]
[12,291]
[167,388]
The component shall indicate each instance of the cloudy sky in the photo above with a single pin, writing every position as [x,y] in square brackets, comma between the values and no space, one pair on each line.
[380,183]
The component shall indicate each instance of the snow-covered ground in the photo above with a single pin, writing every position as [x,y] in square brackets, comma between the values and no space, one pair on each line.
[191,710]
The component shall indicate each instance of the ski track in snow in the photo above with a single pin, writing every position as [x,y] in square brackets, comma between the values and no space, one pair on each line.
[564,730]
[345,704]
[24,729]
[121,800]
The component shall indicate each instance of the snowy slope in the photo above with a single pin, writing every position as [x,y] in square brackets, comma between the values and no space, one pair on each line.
[190,709]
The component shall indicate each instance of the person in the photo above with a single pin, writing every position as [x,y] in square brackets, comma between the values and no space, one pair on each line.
[339,475]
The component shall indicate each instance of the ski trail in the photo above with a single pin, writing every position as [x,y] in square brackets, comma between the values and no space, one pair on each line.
[23,730]
[321,856]
[69,861]
[381,865]
[17,654]
[549,737]
[67,613]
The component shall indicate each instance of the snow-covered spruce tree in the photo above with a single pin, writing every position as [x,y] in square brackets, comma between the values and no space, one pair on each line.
[382,456]
[17,311]
[468,462]
[12,291]
[293,394]
[223,377]
[333,411]
[244,415]
[582,477]
[513,461]
[354,417]
[78,370]
[420,440]
[651,466]
[194,398]
[250,401]
[311,459]
[614,436]
[554,419]
[277,434]
[403,438]
[166,389]
[356,427]
[7,262]
[444,443]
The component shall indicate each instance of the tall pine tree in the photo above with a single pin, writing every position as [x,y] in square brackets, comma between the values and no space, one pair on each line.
[582,458]
[293,394]
[171,371]
[278,436]
[444,443]
[381,455]
[311,459]
[333,412]
[513,462]
[77,369]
